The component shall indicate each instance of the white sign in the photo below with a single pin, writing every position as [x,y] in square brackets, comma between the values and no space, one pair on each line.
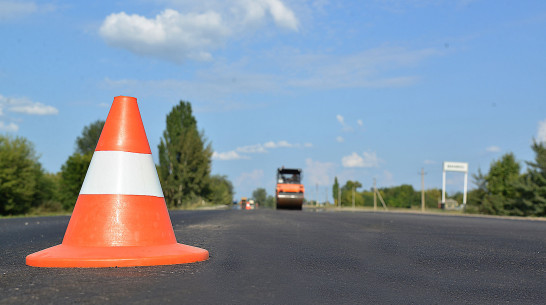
[456,167]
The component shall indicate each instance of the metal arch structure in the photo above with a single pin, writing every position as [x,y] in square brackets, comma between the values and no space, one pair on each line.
[455,167]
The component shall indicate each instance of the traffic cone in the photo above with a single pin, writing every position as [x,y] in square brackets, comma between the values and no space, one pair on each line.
[120,218]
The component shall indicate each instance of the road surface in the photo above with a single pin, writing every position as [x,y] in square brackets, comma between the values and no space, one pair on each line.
[298,257]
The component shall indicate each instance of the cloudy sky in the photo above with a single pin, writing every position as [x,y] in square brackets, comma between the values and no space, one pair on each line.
[353,89]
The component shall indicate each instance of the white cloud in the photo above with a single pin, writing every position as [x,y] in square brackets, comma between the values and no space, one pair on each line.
[270,144]
[171,35]
[429,162]
[10,10]
[229,155]
[320,173]
[282,15]
[340,139]
[279,144]
[13,10]
[353,160]
[360,123]
[493,149]
[35,108]
[541,132]
[340,119]
[368,159]
[284,144]
[252,149]
[256,148]
[25,106]
[177,36]
[11,127]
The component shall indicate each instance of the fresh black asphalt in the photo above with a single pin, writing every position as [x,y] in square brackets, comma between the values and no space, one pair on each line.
[298,257]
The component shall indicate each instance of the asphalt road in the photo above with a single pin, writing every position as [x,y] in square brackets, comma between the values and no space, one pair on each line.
[298,257]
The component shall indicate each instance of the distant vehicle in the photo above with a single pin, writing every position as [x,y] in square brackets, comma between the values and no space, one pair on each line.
[247,204]
[242,203]
[290,192]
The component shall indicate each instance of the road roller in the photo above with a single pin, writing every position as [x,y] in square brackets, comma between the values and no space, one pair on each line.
[289,193]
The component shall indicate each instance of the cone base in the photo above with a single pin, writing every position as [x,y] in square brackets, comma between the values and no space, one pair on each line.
[64,256]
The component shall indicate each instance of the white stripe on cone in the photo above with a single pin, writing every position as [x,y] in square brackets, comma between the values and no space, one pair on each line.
[124,173]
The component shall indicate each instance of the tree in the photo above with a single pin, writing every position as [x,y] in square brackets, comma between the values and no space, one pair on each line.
[73,171]
[220,190]
[47,196]
[21,176]
[87,142]
[476,196]
[347,193]
[335,191]
[72,175]
[401,196]
[531,187]
[184,158]
[270,202]
[260,196]
[500,185]
[502,175]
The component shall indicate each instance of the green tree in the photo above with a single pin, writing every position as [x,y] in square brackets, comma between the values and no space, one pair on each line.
[335,191]
[87,142]
[71,179]
[21,176]
[433,197]
[347,194]
[48,194]
[73,171]
[531,187]
[402,196]
[270,201]
[500,185]
[502,175]
[184,158]
[260,196]
[476,196]
[220,190]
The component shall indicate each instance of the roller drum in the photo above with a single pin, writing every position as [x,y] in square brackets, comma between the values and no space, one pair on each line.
[290,201]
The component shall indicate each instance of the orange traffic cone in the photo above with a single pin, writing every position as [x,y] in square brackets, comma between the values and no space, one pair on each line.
[120,218]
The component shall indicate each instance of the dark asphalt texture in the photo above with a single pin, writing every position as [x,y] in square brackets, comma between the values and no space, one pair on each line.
[298,257]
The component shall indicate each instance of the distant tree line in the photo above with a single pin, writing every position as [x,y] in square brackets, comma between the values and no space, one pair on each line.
[503,190]
[184,170]
[403,196]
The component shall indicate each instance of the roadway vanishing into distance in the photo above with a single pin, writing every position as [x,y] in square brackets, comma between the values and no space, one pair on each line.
[298,257]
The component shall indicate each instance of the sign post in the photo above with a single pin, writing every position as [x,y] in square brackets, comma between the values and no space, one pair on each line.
[455,167]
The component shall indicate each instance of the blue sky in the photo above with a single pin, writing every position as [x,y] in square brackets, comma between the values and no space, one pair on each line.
[353,89]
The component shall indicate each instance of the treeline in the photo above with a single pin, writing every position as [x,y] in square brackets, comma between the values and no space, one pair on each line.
[503,190]
[184,170]
[403,196]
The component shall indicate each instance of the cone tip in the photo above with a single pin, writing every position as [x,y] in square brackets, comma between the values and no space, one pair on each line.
[124,98]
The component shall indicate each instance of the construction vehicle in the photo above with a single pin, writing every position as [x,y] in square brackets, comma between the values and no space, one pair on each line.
[242,203]
[247,204]
[289,192]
